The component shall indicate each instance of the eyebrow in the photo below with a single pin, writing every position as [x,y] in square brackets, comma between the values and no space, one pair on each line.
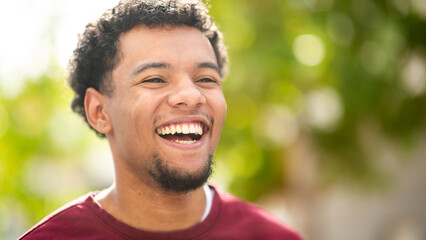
[146,66]
[211,65]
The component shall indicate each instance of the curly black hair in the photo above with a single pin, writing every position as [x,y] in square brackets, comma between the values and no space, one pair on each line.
[96,54]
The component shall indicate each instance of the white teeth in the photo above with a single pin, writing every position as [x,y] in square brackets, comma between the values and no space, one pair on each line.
[191,128]
[184,141]
[199,130]
[185,128]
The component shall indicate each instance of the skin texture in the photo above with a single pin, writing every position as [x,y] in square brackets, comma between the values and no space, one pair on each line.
[165,75]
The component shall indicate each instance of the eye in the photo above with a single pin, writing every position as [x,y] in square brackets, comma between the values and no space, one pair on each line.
[207,80]
[153,80]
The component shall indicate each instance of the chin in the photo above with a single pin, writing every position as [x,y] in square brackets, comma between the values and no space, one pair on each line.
[180,180]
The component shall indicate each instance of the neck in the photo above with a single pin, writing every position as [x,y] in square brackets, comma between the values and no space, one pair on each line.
[151,209]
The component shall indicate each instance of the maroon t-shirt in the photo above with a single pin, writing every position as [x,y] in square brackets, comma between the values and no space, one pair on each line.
[229,218]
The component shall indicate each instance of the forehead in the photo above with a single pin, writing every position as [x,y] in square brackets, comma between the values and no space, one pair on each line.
[173,43]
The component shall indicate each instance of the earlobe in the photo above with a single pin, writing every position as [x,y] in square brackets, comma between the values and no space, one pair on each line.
[96,114]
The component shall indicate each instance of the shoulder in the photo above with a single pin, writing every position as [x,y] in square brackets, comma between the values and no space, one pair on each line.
[71,220]
[252,220]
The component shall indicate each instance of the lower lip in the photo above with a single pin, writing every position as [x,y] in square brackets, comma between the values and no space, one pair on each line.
[183,146]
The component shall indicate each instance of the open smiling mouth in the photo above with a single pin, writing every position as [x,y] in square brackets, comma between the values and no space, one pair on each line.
[183,133]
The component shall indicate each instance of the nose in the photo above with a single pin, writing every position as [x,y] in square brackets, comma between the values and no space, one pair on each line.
[185,93]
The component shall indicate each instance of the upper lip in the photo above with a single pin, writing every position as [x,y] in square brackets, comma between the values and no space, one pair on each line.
[186,119]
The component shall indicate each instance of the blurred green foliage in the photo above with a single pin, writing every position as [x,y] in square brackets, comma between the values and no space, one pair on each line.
[374,60]
[358,69]
[37,139]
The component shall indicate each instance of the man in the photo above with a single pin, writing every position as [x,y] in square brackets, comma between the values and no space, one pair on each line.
[148,77]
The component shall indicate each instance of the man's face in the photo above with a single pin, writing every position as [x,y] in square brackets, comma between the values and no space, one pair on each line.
[167,108]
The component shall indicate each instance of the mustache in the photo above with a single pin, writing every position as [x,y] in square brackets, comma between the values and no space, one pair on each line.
[183,113]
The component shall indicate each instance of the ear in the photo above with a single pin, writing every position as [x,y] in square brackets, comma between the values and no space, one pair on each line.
[96,113]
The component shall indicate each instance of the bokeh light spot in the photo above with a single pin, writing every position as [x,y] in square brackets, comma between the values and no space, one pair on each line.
[64,123]
[279,125]
[309,49]
[323,109]
[419,6]
[414,75]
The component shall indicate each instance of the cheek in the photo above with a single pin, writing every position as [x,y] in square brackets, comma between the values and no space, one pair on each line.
[225,107]
[125,116]
[220,106]
[143,109]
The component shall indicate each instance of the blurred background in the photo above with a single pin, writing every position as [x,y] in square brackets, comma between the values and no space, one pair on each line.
[326,124]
